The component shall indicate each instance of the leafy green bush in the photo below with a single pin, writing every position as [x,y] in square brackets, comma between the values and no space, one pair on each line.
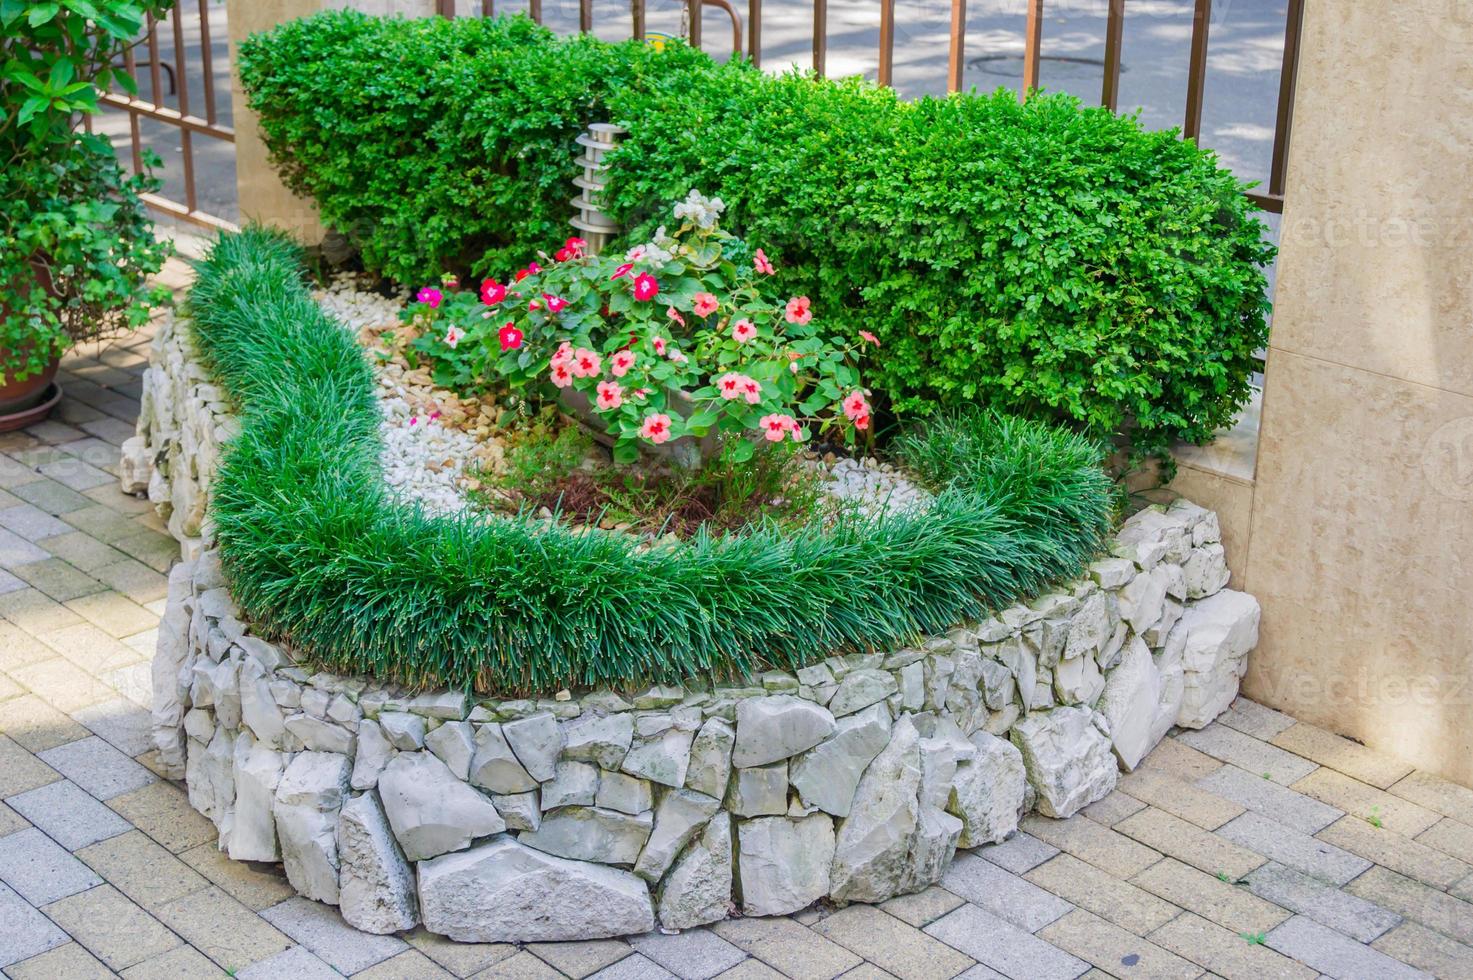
[1044,258]
[317,552]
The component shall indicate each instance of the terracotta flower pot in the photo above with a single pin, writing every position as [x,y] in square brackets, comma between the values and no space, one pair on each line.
[30,400]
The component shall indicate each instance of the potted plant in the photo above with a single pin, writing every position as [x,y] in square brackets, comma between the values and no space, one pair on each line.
[76,244]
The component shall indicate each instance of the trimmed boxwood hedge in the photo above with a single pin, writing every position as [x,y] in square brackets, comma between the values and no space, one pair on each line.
[1043,259]
[317,553]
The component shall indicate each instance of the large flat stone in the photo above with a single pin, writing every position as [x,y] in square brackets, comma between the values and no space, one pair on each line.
[430,810]
[784,863]
[828,775]
[775,728]
[376,884]
[698,888]
[591,834]
[1069,761]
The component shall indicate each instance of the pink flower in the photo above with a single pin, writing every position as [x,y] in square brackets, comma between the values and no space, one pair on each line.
[452,336]
[555,304]
[645,287]
[586,363]
[563,354]
[775,428]
[621,362]
[535,304]
[869,338]
[429,296]
[743,331]
[533,268]
[759,261]
[729,386]
[678,357]
[622,271]
[562,374]
[634,254]
[705,304]
[861,421]
[798,311]
[855,405]
[659,345]
[674,314]
[752,390]
[510,338]
[610,395]
[656,428]
[640,394]
[492,292]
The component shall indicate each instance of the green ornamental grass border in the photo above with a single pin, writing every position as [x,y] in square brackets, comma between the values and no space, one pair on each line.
[318,554]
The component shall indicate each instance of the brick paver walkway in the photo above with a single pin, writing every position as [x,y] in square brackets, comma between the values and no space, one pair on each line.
[1256,848]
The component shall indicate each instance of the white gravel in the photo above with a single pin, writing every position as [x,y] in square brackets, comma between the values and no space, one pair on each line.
[874,487]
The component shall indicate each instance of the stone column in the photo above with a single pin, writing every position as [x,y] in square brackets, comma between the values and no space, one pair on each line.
[262,195]
[1361,545]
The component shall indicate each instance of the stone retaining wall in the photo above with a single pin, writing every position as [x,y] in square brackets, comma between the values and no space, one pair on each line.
[604,813]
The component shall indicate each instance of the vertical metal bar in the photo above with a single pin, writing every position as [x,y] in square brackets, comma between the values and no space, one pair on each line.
[207,59]
[887,42]
[534,10]
[1032,46]
[585,16]
[186,138]
[754,31]
[1288,78]
[693,11]
[956,56]
[1114,38]
[130,65]
[153,60]
[637,11]
[820,35]
[1197,70]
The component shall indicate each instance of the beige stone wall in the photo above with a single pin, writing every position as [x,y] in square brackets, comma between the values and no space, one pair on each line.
[263,198]
[1361,539]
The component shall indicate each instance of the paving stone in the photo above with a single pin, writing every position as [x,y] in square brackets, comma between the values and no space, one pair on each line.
[319,928]
[68,815]
[69,962]
[1411,898]
[1248,753]
[1120,902]
[37,725]
[461,959]
[102,523]
[97,767]
[1114,807]
[1450,837]
[1325,950]
[1180,798]
[868,971]
[76,474]
[1002,893]
[894,945]
[981,972]
[1396,852]
[141,869]
[157,551]
[581,959]
[1003,947]
[1435,793]
[296,963]
[90,648]
[256,886]
[24,932]
[1019,853]
[20,770]
[1189,843]
[114,614]
[634,967]
[408,965]
[133,579]
[31,523]
[9,583]
[57,579]
[16,550]
[1105,848]
[82,551]
[35,612]
[522,966]
[10,821]
[1309,855]
[1358,918]
[51,497]
[162,811]
[1110,947]
[1264,796]
[788,947]
[1226,953]
[1227,905]
[17,647]
[222,928]
[114,929]
[694,954]
[179,963]
[923,907]
[63,684]
[39,869]
[1342,755]
[1363,800]
[121,723]
[1431,951]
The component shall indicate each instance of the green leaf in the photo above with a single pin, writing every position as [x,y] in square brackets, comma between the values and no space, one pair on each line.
[42,13]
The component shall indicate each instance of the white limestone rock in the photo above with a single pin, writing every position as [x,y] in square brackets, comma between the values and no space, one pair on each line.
[322,736]
[495,766]
[1206,571]
[308,797]
[258,709]
[253,833]
[536,740]
[591,834]
[573,784]
[759,791]
[784,864]
[860,689]
[135,465]
[680,816]
[1068,759]
[698,888]
[828,775]
[1133,692]
[405,732]
[775,728]
[519,810]
[170,655]
[430,810]
[1078,680]
[1143,600]
[710,758]
[1021,663]
[988,791]
[625,793]
[663,759]
[932,847]
[376,884]
[1219,632]
[374,753]
[504,892]
[453,744]
[603,741]
[873,843]
[209,778]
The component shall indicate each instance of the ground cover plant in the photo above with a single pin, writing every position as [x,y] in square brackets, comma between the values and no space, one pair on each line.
[318,553]
[1042,258]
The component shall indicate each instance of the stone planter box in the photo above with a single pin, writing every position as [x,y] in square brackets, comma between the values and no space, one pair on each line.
[604,813]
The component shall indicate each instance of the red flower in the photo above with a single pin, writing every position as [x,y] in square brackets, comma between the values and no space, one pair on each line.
[510,337]
[623,270]
[563,254]
[576,246]
[645,287]
[492,292]
[521,274]
[555,304]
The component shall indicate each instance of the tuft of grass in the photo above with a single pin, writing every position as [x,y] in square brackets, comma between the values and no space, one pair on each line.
[318,555]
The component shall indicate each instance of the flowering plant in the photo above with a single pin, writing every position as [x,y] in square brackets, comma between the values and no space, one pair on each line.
[681,336]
